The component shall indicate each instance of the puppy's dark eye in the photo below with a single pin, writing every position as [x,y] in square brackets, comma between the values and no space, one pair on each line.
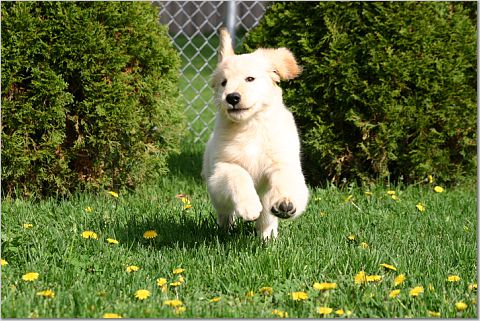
[249,79]
[224,83]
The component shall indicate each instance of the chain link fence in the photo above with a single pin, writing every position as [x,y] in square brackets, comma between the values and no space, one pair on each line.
[193,27]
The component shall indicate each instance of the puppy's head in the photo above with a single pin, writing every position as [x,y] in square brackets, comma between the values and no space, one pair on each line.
[244,84]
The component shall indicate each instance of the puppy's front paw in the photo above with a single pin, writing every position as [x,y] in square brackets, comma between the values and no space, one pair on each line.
[249,211]
[284,208]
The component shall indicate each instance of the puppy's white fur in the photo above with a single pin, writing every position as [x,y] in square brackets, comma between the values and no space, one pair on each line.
[252,160]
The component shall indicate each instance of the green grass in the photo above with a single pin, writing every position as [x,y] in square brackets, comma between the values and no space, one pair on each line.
[89,276]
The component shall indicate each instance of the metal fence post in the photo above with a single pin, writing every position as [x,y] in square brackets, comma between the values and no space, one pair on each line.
[231,17]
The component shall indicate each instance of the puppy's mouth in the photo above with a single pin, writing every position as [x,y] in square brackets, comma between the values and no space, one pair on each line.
[236,110]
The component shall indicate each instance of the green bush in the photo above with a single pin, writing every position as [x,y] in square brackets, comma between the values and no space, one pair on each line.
[88,96]
[388,89]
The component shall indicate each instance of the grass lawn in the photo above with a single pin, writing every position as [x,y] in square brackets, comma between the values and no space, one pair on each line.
[343,232]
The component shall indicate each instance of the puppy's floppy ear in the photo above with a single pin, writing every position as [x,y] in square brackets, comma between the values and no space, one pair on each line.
[283,61]
[226,48]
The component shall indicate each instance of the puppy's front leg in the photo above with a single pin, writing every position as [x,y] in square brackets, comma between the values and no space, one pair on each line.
[233,192]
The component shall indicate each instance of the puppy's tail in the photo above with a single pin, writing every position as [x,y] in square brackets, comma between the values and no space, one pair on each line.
[226,48]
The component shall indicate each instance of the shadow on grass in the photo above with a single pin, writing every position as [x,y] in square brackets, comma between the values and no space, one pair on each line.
[182,232]
[187,164]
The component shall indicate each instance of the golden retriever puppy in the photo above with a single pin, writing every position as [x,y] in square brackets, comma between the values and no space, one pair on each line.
[252,160]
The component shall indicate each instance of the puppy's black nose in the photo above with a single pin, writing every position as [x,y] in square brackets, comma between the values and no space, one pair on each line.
[233,98]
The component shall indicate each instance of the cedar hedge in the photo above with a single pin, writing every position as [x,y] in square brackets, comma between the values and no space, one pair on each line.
[88,96]
[388,89]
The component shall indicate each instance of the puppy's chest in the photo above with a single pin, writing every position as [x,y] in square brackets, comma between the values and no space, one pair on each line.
[252,154]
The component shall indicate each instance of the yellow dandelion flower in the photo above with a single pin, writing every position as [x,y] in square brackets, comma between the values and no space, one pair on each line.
[46,294]
[30,276]
[416,291]
[367,193]
[339,312]
[299,296]
[266,290]
[431,288]
[142,294]
[399,279]
[388,266]
[176,283]
[352,238]
[433,314]
[374,278]
[324,310]
[111,316]
[460,306]
[420,207]
[360,278]
[150,234]
[112,241]
[364,245]
[89,235]
[324,286]
[173,303]
[280,313]
[181,279]
[27,225]
[390,192]
[250,294]
[132,268]
[180,309]
[394,293]
[395,197]
[471,287]
[430,179]
[215,299]
[186,203]
[323,214]
[88,209]
[178,271]
[161,282]
[114,194]
[4,262]
[453,278]
[438,189]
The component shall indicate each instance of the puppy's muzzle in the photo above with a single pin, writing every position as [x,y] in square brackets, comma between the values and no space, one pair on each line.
[233,99]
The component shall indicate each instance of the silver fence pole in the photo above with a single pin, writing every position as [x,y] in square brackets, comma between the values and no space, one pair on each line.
[231,15]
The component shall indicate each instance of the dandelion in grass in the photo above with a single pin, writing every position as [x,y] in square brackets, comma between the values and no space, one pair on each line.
[180,310]
[367,193]
[280,313]
[250,294]
[460,306]
[399,279]
[175,284]
[161,282]
[430,179]
[30,276]
[395,198]
[388,266]
[299,296]
[4,262]
[111,316]
[352,238]
[471,287]
[416,291]
[394,294]
[453,278]
[374,278]
[266,290]
[324,286]
[173,303]
[360,278]
[391,192]
[142,294]
[89,235]
[438,189]
[364,245]
[433,314]
[46,294]
[114,194]
[27,225]
[323,214]
[132,268]
[150,234]
[215,299]
[431,288]
[112,241]
[324,310]
[340,312]
[178,271]
[420,207]
[88,209]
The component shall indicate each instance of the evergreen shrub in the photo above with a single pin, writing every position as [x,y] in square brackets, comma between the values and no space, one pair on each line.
[388,89]
[88,96]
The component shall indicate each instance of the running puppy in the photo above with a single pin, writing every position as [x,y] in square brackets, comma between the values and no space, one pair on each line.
[252,160]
